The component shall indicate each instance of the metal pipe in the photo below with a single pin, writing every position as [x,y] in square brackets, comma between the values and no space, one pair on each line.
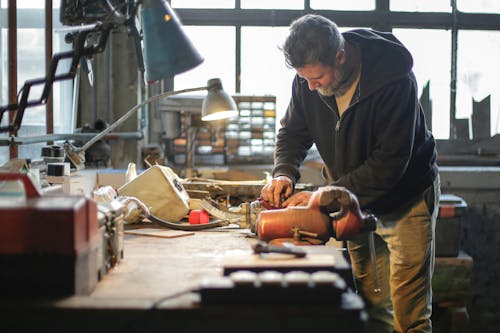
[12,140]
[12,61]
[49,108]
[131,112]
[371,243]
[453,71]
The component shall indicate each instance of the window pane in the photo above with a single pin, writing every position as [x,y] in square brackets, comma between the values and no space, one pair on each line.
[343,5]
[62,91]
[263,69]
[31,65]
[272,4]
[27,4]
[421,6]
[217,46]
[433,67]
[202,4]
[478,71]
[482,6]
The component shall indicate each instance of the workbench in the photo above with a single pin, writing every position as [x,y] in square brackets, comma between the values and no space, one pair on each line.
[154,289]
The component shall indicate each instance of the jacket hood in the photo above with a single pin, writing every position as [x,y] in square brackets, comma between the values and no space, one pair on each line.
[380,53]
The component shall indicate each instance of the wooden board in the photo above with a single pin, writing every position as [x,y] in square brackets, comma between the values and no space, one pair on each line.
[156,232]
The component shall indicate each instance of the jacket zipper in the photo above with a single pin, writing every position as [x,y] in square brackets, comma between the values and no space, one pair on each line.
[337,125]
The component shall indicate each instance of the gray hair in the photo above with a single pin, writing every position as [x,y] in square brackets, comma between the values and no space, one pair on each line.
[312,39]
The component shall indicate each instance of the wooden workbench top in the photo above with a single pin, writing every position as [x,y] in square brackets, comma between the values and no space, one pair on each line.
[162,274]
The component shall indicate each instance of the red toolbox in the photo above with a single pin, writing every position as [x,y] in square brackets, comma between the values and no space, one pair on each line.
[452,210]
[48,245]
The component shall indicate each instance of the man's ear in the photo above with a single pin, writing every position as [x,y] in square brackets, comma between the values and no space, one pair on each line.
[340,56]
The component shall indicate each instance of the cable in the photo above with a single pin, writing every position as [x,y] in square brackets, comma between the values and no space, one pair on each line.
[188,227]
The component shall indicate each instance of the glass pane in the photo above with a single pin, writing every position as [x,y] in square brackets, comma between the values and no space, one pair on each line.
[479,6]
[31,65]
[420,6]
[272,4]
[27,4]
[478,71]
[62,91]
[343,5]
[217,47]
[433,67]
[263,69]
[202,4]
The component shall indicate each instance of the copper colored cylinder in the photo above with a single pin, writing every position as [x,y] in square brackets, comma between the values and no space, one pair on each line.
[280,223]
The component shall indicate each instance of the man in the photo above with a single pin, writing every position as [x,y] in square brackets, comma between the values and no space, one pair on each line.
[355,98]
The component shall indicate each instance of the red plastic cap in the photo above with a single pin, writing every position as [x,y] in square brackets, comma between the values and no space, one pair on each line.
[198,216]
[194,216]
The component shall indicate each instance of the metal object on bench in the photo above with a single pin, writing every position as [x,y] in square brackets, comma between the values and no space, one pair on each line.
[111,252]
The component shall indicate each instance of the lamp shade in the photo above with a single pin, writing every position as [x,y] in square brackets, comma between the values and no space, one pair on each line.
[217,104]
[167,49]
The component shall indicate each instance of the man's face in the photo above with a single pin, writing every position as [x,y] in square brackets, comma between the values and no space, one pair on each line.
[326,80]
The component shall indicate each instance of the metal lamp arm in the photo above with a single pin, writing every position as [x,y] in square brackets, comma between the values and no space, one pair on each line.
[131,112]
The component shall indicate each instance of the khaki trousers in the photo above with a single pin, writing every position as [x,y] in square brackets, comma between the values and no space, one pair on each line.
[404,243]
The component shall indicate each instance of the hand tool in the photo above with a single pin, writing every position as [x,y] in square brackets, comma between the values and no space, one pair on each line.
[263,247]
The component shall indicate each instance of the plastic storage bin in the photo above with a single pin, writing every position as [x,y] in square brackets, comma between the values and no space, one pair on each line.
[452,210]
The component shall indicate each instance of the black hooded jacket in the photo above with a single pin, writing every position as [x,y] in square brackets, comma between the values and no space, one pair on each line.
[380,149]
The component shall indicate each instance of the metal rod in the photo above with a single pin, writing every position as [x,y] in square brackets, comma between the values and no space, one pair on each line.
[371,243]
[130,112]
[12,64]
[49,107]
[67,136]
[453,71]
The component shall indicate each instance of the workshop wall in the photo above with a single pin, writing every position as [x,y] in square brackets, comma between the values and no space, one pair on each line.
[480,238]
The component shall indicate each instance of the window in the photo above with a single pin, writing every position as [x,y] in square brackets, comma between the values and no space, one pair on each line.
[343,5]
[272,4]
[31,65]
[479,6]
[478,72]
[202,3]
[433,68]
[217,46]
[213,27]
[263,69]
[420,6]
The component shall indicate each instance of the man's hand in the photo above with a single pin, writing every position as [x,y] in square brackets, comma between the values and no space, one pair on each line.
[275,189]
[298,199]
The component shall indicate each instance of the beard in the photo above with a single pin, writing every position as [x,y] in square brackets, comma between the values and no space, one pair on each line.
[343,79]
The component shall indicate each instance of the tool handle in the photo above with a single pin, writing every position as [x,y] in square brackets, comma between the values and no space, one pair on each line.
[263,247]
